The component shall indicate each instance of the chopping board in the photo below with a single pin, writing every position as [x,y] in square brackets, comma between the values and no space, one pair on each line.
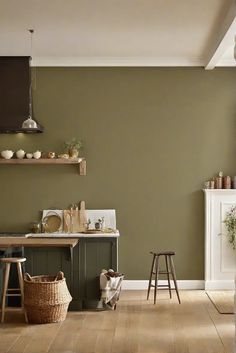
[75,220]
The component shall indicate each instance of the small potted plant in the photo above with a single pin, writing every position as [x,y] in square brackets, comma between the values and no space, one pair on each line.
[230,224]
[99,223]
[73,146]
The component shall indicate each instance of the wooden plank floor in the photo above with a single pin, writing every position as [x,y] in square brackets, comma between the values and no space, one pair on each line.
[137,326]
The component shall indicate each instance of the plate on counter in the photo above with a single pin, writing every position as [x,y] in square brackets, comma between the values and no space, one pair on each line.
[92,231]
[99,231]
[52,221]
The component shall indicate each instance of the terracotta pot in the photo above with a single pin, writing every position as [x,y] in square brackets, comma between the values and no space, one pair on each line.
[73,153]
[227,182]
[219,182]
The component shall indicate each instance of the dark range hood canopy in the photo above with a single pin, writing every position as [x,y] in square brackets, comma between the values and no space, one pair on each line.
[12,130]
[15,97]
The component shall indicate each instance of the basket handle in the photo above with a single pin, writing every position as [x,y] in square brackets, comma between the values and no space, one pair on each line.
[27,277]
[59,276]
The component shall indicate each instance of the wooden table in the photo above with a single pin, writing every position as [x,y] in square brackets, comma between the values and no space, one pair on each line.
[8,241]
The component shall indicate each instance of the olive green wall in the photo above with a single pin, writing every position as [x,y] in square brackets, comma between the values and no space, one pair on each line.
[151,135]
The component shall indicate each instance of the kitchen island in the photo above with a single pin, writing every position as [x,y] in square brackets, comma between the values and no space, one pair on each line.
[80,256]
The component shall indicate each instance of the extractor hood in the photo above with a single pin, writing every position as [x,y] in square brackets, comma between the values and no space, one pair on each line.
[15,95]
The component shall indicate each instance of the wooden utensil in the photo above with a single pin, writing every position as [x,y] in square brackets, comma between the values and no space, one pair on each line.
[82,216]
[67,221]
[75,220]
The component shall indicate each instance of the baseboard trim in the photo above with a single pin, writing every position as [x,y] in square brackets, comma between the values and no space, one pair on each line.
[219,285]
[143,284]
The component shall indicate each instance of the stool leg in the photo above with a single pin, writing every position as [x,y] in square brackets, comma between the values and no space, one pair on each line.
[150,278]
[156,278]
[21,283]
[168,276]
[4,291]
[174,277]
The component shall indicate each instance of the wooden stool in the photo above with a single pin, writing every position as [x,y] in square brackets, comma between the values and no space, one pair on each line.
[8,261]
[170,270]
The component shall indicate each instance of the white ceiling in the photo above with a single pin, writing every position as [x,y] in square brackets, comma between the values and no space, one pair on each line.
[117,32]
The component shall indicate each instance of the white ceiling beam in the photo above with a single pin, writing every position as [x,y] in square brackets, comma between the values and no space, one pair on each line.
[224,38]
[82,61]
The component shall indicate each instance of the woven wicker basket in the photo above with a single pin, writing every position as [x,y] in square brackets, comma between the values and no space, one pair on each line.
[46,298]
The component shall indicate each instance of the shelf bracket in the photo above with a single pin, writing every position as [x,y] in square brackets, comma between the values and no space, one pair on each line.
[82,167]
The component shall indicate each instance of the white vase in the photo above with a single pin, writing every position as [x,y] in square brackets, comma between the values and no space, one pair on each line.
[20,154]
[7,154]
[37,154]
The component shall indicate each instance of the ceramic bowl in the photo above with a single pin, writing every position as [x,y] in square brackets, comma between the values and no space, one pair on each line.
[7,154]
[29,155]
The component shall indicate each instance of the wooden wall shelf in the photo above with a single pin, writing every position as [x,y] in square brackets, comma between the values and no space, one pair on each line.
[81,162]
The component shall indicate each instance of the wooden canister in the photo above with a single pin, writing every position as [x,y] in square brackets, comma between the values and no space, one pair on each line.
[234,183]
[218,182]
[227,182]
[212,184]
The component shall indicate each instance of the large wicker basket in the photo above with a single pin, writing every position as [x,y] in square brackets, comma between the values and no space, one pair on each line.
[46,298]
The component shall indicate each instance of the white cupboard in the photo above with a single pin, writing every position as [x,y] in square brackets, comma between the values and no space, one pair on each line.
[220,258]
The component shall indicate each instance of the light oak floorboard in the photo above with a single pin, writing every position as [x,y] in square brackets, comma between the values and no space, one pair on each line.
[137,326]
[223,325]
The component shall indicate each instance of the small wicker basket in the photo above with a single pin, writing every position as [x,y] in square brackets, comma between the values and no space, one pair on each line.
[46,298]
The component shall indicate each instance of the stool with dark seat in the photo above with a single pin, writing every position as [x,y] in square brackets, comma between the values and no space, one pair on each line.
[155,271]
[8,261]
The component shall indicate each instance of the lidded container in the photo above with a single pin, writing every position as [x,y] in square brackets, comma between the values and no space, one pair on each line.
[227,182]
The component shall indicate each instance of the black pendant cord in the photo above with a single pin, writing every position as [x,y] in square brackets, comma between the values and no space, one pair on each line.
[31,31]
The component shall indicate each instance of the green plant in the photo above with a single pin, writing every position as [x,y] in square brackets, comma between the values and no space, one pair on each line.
[230,224]
[74,143]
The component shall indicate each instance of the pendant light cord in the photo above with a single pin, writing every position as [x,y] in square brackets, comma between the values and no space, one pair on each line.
[29,124]
[31,31]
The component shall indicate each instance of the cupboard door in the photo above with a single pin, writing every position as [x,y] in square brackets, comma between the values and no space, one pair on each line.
[48,261]
[95,255]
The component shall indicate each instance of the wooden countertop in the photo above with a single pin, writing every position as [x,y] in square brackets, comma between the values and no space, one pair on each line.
[73,235]
[50,240]
[8,241]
